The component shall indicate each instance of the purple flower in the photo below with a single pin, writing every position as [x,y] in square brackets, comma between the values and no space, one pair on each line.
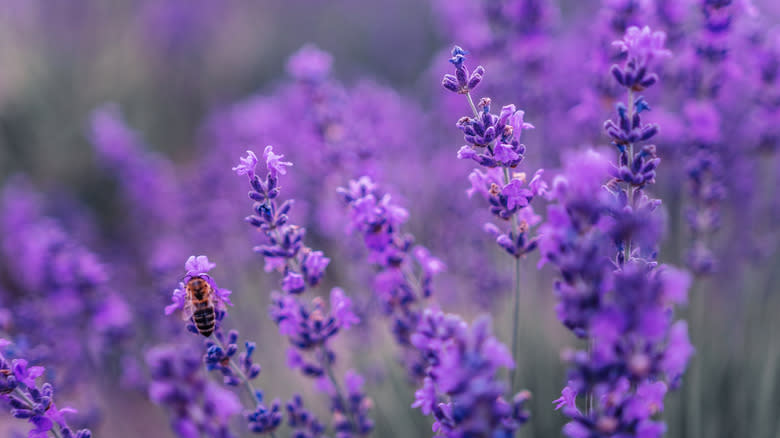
[303,422]
[35,403]
[247,165]
[341,307]
[273,162]
[643,44]
[310,64]
[568,399]
[24,374]
[198,265]
[463,81]
[197,406]
[293,283]
[678,351]
[265,419]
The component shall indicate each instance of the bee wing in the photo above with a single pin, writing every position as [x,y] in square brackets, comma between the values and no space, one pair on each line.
[187,311]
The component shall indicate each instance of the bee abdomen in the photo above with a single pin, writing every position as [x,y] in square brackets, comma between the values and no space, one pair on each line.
[205,320]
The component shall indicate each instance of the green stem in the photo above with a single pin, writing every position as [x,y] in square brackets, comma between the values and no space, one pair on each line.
[515,329]
[516,312]
[337,387]
[55,429]
[630,188]
[473,107]
[247,383]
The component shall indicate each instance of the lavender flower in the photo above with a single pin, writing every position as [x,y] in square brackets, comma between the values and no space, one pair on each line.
[494,141]
[30,401]
[621,303]
[222,351]
[463,81]
[303,422]
[197,405]
[401,294]
[458,366]
[461,388]
[308,328]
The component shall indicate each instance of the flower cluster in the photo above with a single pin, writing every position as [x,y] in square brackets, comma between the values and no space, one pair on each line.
[463,81]
[285,251]
[461,388]
[458,364]
[309,328]
[56,294]
[706,150]
[493,141]
[222,352]
[27,400]
[400,290]
[198,406]
[219,358]
[303,422]
[264,419]
[621,303]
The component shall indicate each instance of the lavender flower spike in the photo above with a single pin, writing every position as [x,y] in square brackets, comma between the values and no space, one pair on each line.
[493,142]
[308,327]
[33,402]
[603,239]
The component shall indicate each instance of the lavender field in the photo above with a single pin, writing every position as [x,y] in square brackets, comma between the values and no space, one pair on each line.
[344,219]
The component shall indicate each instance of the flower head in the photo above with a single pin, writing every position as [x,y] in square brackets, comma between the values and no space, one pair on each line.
[273,162]
[198,265]
[247,165]
[643,44]
[310,64]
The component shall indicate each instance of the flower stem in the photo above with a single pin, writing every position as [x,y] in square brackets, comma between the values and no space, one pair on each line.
[630,188]
[332,377]
[247,383]
[516,312]
[55,428]
[515,324]
[471,103]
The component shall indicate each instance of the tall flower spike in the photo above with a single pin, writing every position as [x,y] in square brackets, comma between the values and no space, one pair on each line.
[622,304]
[493,142]
[308,327]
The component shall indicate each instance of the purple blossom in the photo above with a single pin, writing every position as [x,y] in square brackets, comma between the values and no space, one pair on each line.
[611,291]
[247,165]
[273,162]
[310,64]
[197,406]
[28,400]
[461,388]
[198,265]
[643,44]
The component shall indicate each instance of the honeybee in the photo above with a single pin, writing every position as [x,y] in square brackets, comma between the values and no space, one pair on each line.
[200,307]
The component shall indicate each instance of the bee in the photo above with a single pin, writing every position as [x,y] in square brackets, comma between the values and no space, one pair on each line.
[200,306]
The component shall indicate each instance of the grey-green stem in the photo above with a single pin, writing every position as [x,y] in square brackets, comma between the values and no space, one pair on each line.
[516,307]
[630,189]
[247,383]
[339,393]
[30,404]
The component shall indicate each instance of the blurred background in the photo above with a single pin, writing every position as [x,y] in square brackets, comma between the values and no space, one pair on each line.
[120,122]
